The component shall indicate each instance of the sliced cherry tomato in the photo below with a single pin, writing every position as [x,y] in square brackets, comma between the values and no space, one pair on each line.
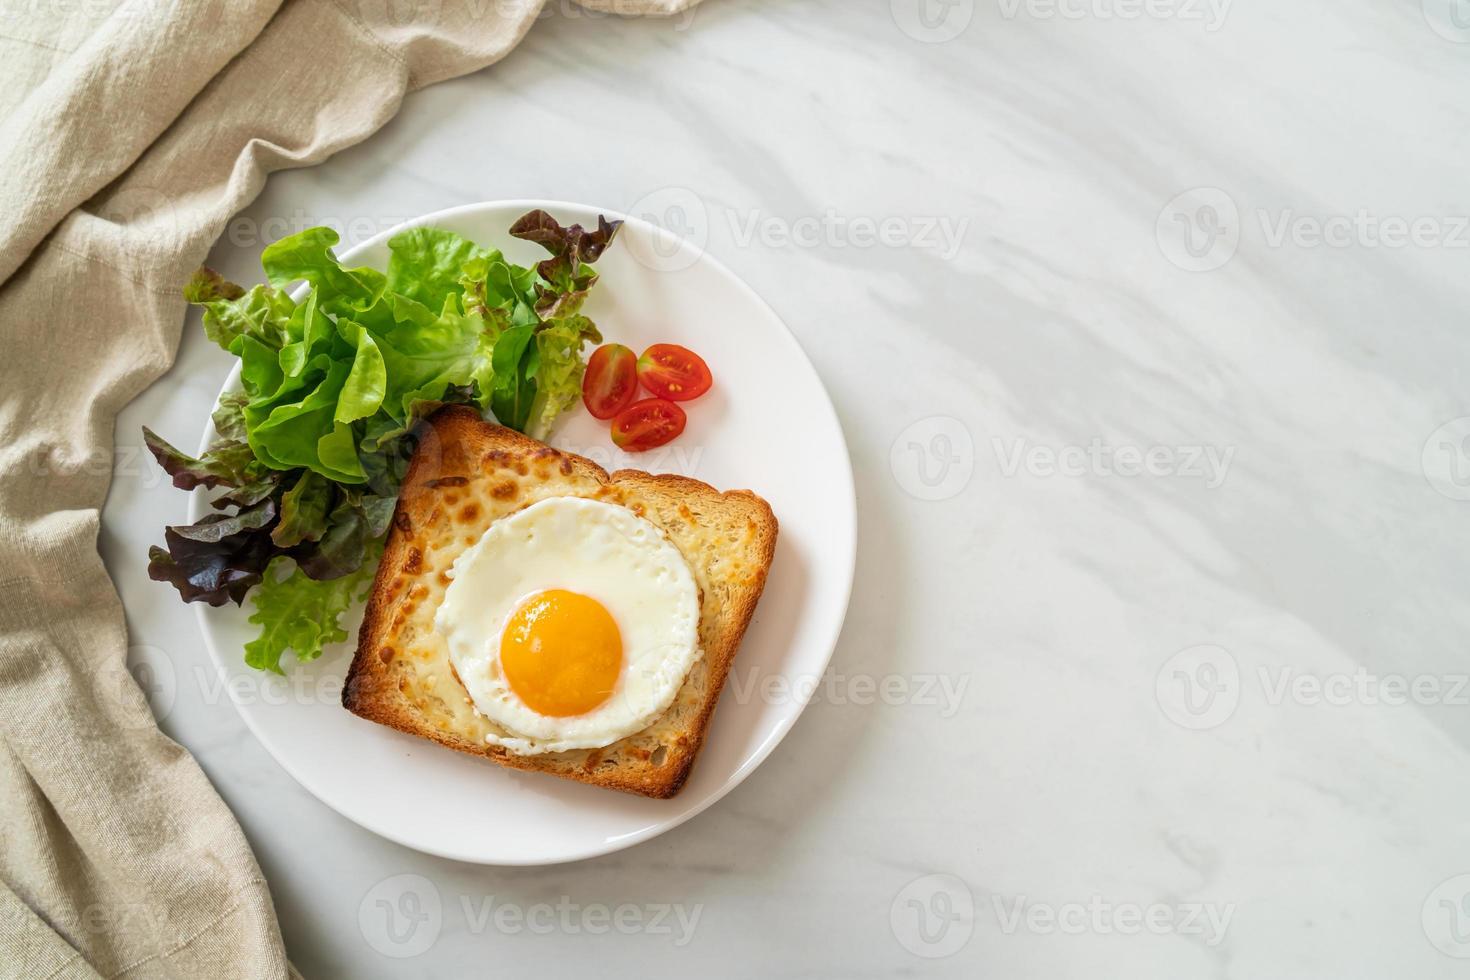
[647,424]
[674,372]
[611,381]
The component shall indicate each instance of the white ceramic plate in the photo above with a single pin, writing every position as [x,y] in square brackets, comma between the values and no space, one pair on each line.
[768,425]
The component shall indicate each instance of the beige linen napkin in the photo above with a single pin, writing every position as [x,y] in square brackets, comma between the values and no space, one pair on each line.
[130,131]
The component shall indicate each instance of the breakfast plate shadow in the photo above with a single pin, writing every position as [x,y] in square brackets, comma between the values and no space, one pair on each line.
[772,429]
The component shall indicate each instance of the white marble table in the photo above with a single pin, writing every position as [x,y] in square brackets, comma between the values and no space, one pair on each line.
[1143,321]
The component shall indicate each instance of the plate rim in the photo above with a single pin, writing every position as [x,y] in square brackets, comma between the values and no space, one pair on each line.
[773,738]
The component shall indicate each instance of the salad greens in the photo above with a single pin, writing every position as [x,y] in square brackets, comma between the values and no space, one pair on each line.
[308,457]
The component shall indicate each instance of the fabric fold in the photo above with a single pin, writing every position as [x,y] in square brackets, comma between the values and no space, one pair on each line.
[53,159]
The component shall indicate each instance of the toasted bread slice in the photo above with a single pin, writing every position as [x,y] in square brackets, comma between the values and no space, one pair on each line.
[468,473]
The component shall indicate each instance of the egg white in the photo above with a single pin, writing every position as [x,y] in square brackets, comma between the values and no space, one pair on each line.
[600,550]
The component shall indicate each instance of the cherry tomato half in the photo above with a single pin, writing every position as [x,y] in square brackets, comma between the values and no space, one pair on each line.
[611,381]
[647,425]
[674,372]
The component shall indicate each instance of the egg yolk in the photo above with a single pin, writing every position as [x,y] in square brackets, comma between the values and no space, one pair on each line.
[561,653]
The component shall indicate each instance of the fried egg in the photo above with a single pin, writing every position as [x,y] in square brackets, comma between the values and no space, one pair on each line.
[571,624]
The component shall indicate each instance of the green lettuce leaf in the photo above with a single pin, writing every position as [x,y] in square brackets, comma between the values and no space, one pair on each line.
[304,511]
[301,614]
[310,333]
[427,264]
[426,357]
[231,312]
[559,371]
[292,434]
[308,256]
[367,381]
[515,362]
